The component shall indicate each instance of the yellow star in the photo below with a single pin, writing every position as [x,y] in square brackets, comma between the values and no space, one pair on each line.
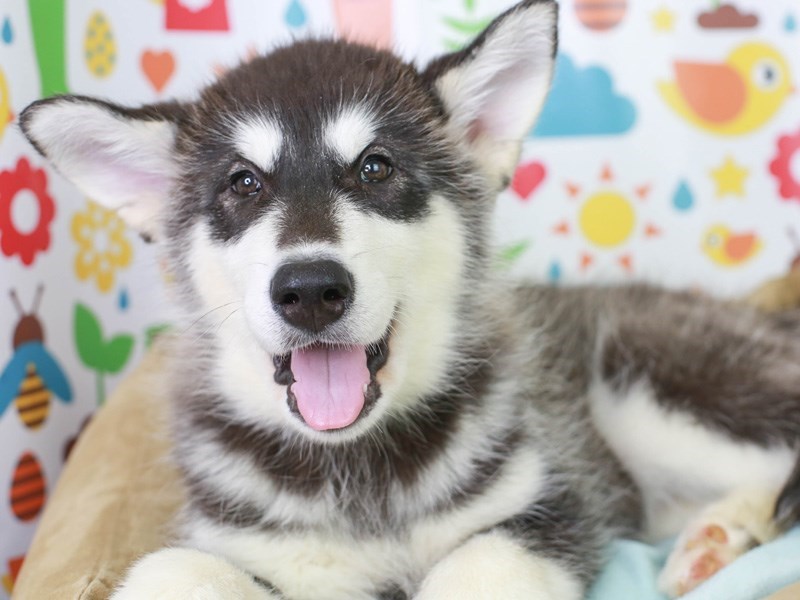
[729,177]
[663,19]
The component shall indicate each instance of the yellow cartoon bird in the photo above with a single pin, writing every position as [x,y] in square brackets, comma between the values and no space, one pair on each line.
[6,116]
[730,249]
[733,97]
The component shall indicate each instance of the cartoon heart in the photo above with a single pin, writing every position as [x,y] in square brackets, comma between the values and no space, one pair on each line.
[527,178]
[158,67]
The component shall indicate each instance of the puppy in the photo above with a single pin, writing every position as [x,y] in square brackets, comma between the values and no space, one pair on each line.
[366,409]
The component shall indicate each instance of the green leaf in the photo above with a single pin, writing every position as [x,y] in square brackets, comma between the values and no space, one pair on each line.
[467,27]
[152,332]
[117,352]
[453,46]
[511,253]
[88,337]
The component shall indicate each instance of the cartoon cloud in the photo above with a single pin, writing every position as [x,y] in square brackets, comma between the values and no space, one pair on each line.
[584,102]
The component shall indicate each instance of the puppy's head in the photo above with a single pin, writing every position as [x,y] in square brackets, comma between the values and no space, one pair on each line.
[319,207]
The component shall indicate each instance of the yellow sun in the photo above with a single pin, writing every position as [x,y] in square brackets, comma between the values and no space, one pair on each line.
[607,219]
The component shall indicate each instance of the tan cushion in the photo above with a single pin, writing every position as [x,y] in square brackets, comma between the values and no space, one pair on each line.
[115,498]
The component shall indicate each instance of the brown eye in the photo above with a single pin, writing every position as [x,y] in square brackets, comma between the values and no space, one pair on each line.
[245,183]
[375,168]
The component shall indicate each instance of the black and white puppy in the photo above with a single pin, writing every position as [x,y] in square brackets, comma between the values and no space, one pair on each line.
[365,409]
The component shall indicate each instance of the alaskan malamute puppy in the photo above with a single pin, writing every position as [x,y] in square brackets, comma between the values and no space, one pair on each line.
[366,410]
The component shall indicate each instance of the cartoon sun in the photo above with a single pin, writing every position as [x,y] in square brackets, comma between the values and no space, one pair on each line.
[607,219]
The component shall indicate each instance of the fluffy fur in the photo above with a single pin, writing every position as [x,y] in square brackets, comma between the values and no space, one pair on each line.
[508,433]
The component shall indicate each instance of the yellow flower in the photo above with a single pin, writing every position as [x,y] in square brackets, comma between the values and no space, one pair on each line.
[102,245]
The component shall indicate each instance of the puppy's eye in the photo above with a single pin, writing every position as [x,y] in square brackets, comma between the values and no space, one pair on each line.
[375,168]
[245,183]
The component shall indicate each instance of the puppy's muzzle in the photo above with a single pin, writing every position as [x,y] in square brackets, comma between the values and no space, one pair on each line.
[311,295]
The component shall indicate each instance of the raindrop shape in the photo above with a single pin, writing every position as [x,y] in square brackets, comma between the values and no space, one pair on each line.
[554,272]
[295,15]
[790,24]
[683,199]
[123,300]
[7,33]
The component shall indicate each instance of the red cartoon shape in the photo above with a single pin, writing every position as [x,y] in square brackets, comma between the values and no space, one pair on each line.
[28,488]
[197,15]
[786,166]
[14,565]
[365,21]
[24,183]
[158,67]
[527,178]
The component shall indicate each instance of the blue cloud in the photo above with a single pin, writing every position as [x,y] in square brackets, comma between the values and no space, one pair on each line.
[583,102]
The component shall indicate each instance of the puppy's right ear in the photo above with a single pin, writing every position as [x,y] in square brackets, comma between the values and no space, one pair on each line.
[121,158]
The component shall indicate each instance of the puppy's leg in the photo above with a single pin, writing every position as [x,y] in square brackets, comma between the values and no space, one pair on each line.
[549,551]
[721,533]
[181,573]
[494,565]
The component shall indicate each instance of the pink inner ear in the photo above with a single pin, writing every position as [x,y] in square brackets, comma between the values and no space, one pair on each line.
[125,175]
[505,105]
[475,129]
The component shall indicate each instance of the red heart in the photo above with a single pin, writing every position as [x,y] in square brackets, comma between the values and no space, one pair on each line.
[158,67]
[527,178]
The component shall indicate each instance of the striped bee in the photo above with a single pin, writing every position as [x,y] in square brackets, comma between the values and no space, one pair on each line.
[32,376]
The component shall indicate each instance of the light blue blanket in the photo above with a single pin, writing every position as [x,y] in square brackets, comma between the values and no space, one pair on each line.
[631,574]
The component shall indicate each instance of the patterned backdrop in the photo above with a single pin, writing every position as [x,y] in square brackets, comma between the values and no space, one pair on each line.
[669,151]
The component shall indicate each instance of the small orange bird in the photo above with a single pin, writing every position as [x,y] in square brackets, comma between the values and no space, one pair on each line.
[730,249]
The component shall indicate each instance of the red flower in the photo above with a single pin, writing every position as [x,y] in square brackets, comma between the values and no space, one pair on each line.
[781,166]
[25,243]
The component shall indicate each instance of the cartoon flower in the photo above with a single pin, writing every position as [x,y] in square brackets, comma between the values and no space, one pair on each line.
[102,245]
[781,166]
[17,235]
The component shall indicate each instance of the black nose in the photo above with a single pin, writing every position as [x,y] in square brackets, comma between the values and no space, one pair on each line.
[311,295]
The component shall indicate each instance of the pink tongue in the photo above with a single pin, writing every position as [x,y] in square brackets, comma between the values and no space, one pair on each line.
[329,385]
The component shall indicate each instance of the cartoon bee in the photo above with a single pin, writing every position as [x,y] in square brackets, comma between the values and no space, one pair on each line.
[32,376]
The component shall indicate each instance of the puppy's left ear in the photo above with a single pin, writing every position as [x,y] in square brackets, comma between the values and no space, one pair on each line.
[494,88]
[123,158]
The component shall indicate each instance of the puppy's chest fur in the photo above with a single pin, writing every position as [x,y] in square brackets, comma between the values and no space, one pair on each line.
[405,495]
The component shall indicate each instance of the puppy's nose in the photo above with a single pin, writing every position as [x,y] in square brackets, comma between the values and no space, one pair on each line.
[311,295]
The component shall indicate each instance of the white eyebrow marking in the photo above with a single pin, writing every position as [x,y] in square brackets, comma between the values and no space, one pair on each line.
[259,140]
[350,132]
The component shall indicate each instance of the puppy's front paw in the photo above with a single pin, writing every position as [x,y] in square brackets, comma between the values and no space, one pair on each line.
[724,532]
[700,552]
[183,574]
[491,566]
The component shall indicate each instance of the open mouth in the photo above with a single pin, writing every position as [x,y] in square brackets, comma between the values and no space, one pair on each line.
[332,386]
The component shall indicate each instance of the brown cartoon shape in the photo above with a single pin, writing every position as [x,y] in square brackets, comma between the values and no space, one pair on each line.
[726,16]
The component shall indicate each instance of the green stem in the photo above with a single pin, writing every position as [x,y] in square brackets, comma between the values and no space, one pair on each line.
[101,389]
[48,26]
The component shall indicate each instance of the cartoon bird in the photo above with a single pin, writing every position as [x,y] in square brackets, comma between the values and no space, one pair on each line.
[6,116]
[733,97]
[729,249]
[32,376]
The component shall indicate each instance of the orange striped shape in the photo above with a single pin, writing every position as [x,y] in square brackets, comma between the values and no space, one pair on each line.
[600,14]
[33,402]
[28,488]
